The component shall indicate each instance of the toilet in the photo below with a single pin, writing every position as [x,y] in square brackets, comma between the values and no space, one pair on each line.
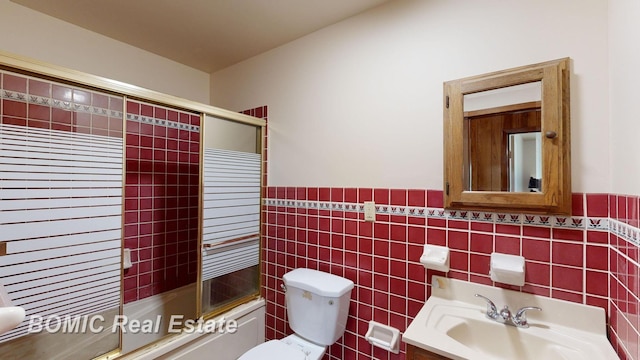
[317,308]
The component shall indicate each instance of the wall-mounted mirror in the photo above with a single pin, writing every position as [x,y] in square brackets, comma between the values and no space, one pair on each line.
[506,140]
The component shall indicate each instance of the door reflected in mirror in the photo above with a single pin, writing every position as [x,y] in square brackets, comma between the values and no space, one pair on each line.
[503,148]
[525,162]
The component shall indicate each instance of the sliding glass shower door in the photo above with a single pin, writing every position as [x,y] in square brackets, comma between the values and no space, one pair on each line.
[61,175]
[230,233]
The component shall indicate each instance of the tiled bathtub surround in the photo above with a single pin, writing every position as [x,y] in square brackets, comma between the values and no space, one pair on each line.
[161,199]
[262,112]
[38,103]
[567,257]
[162,157]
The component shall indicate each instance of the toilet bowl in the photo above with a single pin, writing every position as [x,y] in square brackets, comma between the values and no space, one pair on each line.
[317,308]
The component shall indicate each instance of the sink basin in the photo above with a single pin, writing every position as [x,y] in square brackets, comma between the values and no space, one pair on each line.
[480,334]
[10,317]
[452,323]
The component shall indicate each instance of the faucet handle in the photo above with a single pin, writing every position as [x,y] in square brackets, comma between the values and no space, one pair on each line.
[505,313]
[520,318]
[492,310]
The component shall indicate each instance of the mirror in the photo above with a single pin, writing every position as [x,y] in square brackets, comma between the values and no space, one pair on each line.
[507,140]
[501,127]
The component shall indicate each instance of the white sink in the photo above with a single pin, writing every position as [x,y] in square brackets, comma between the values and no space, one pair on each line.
[481,335]
[10,317]
[452,323]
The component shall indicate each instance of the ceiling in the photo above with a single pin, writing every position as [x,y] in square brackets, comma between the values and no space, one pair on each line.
[208,35]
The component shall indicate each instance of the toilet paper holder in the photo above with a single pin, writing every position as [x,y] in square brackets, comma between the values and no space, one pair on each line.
[383,336]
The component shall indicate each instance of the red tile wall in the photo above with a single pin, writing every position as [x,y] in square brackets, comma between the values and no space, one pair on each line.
[33,102]
[568,258]
[161,199]
[624,283]
[261,112]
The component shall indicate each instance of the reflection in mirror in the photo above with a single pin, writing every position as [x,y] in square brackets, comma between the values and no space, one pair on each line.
[525,162]
[499,156]
[230,213]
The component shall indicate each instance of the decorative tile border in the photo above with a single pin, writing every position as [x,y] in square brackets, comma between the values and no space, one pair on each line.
[60,104]
[598,223]
[568,222]
[89,109]
[625,231]
[162,122]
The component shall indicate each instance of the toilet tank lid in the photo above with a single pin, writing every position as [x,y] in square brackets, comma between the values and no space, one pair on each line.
[318,282]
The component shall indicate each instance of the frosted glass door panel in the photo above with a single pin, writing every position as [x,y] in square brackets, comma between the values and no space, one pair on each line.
[61,175]
[231,178]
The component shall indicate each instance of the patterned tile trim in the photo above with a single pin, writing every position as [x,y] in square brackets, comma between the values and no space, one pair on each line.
[625,231]
[64,105]
[162,122]
[567,222]
[72,106]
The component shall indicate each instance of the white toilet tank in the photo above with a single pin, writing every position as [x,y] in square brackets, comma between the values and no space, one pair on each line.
[317,304]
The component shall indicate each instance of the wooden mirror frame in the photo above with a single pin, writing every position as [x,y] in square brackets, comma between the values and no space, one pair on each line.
[555,197]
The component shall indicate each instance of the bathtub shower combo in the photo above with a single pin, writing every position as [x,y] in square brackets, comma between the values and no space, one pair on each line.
[89,169]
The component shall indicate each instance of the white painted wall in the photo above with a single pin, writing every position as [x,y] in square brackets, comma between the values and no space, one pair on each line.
[624,25]
[31,34]
[360,103]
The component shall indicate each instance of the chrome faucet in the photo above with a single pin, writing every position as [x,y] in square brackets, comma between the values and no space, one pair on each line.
[504,316]
[492,310]
[520,319]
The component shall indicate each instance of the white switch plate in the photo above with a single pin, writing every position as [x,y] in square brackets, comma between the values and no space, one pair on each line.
[369,211]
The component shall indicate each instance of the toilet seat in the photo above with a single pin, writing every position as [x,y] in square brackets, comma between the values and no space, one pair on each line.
[290,348]
[273,350]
